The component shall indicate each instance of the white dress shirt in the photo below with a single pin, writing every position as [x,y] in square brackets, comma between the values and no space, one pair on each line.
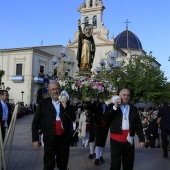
[57,108]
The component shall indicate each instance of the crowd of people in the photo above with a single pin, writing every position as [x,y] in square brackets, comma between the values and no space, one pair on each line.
[92,129]
[59,124]
[26,109]
[56,118]
[151,124]
[150,127]
[6,111]
[151,120]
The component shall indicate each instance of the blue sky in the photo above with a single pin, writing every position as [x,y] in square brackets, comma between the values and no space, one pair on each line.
[25,23]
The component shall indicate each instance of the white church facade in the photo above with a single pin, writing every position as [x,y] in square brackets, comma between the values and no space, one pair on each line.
[23,65]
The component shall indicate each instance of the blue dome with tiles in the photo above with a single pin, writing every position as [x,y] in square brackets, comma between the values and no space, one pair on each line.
[128,39]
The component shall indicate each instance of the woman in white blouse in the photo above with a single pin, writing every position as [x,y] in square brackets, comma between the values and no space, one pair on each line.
[84,127]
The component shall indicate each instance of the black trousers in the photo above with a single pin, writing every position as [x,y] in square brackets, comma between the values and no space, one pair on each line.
[3,129]
[152,140]
[91,134]
[56,151]
[121,152]
[101,136]
[164,135]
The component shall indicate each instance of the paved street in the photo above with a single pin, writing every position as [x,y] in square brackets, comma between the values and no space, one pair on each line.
[23,157]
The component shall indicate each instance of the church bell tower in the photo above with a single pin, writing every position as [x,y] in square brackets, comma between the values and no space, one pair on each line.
[91,13]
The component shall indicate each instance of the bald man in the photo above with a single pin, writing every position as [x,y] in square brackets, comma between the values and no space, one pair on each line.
[55,119]
[125,123]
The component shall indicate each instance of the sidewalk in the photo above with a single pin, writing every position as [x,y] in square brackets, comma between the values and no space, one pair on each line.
[23,157]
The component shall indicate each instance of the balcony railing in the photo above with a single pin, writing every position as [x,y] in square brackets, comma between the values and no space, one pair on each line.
[18,79]
[38,79]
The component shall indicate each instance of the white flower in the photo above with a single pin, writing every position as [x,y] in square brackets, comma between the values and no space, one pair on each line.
[86,83]
[76,88]
[64,83]
[73,86]
[61,83]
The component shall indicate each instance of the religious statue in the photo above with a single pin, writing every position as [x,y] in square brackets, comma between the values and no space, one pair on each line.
[86,47]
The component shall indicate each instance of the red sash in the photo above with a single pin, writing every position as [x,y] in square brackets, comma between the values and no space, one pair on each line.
[58,128]
[120,137]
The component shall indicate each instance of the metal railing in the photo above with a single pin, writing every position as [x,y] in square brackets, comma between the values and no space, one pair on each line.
[4,150]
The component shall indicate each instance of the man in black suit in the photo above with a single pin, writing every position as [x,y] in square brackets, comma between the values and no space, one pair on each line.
[152,131]
[55,117]
[125,122]
[101,130]
[164,114]
[5,111]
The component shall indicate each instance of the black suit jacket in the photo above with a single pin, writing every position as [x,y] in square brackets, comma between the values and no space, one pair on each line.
[152,130]
[45,118]
[164,113]
[9,113]
[97,111]
[115,116]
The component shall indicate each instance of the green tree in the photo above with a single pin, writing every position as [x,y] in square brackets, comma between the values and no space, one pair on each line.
[166,93]
[146,82]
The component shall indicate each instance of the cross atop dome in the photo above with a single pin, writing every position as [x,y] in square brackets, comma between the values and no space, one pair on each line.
[127,22]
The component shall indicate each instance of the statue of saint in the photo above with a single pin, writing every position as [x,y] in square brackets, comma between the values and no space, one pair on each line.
[86,47]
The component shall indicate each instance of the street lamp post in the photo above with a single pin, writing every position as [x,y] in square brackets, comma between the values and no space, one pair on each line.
[22,93]
[109,64]
[63,64]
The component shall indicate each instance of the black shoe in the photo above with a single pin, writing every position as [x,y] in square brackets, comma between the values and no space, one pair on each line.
[102,160]
[165,156]
[96,162]
[90,156]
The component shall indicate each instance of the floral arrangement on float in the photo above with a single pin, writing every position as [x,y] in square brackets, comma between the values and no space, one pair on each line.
[87,88]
